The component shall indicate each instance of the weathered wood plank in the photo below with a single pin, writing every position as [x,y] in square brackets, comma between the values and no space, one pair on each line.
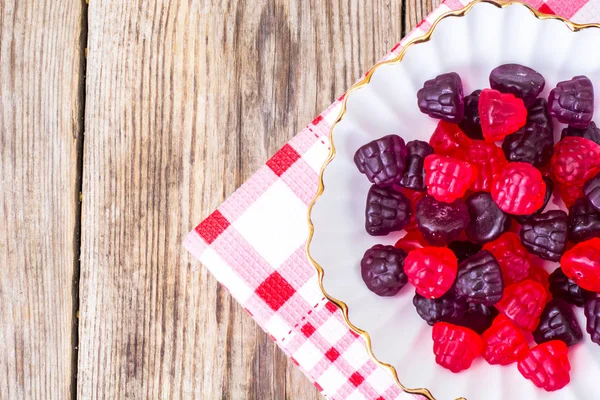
[416,10]
[41,59]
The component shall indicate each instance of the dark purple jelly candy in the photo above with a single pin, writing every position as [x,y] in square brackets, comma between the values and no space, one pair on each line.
[488,221]
[387,211]
[558,322]
[382,160]
[521,219]
[584,221]
[562,287]
[478,317]
[414,173]
[464,249]
[442,98]
[479,279]
[471,123]
[591,190]
[439,222]
[591,132]
[538,114]
[519,80]
[592,315]
[447,308]
[545,235]
[572,102]
[532,144]
[382,269]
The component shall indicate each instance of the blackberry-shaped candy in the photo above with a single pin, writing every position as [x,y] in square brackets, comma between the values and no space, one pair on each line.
[538,114]
[591,132]
[448,308]
[464,249]
[584,221]
[545,235]
[414,173]
[387,211]
[519,80]
[591,190]
[558,322]
[532,144]
[592,314]
[479,279]
[471,123]
[562,287]
[521,219]
[442,98]
[382,269]
[572,102]
[439,222]
[488,221]
[478,317]
[382,160]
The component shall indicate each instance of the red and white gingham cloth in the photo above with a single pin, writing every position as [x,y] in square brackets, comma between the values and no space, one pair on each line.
[254,244]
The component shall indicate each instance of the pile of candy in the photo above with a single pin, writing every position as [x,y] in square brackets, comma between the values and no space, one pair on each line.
[474,212]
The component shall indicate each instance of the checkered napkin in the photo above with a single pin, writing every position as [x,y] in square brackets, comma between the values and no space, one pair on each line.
[254,244]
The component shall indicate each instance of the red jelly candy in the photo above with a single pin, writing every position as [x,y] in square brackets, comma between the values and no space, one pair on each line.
[547,365]
[449,140]
[448,178]
[575,160]
[412,240]
[489,160]
[414,198]
[455,347]
[582,264]
[540,275]
[503,342]
[519,189]
[523,303]
[431,270]
[514,259]
[501,114]
[570,193]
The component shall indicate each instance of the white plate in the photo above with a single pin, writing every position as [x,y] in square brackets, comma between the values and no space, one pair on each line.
[471,45]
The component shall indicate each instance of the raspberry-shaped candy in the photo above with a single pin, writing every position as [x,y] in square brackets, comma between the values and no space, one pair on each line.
[488,221]
[523,303]
[478,317]
[382,270]
[582,264]
[538,114]
[519,80]
[449,140]
[501,114]
[591,190]
[412,240]
[448,178]
[540,275]
[503,342]
[464,249]
[564,288]
[572,102]
[448,308]
[545,235]
[521,219]
[455,347]
[439,222]
[592,315]
[591,132]
[414,174]
[519,189]
[431,270]
[387,211]
[584,221]
[382,160]
[570,193]
[479,279]
[575,160]
[513,258]
[532,144]
[489,161]
[547,365]
[558,322]
[471,123]
[442,98]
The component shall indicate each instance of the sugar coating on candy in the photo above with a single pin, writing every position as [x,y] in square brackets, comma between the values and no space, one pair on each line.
[521,219]
[501,114]
[503,342]
[584,221]
[449,140]
[471,123]
[513,258]
[414,173]
[558,322]
[448,178]
[575,160]
[546,235]
[523,303]
[479,279]
[591,190]
[519,189]
[564,288]
[455,347]
[440,222]
[431,270]
[547,365]
[382,160]
[442,98]
[387,211]
[572,102]
[591,132]
[464,249]
[489,161]
[488,221]
[592,315]
[448,308]
[382,270]
[519,80]
[582,264]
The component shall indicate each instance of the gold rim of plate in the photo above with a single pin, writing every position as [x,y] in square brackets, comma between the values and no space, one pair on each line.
[573,26]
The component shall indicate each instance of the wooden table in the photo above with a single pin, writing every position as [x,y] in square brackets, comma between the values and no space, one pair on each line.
[107,161]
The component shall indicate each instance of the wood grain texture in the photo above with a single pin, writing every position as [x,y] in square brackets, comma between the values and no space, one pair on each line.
[41,54]
[185,100]
[417,10]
